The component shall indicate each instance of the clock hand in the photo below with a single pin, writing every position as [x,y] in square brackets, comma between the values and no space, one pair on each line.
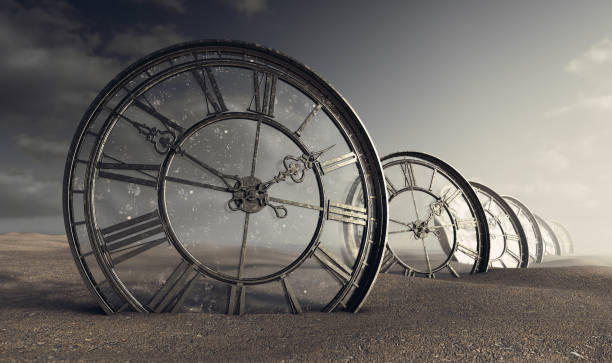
[162,140]
[409,225]
[197,184]
[222,176]
[252,197]
[295,168]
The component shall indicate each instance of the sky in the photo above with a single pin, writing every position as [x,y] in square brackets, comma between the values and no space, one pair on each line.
[514,94]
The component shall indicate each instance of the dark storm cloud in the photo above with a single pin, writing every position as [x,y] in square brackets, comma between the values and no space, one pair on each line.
[135,43]
[41,148]
[48,64]
[23,195]
[52,65]
[249,7]
[174,5]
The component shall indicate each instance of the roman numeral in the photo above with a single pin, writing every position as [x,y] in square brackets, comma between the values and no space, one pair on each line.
[236,300]
[409,179]
[452,271]
[388,261]
[468,251]
[336,163]
[346,213]
[449,196]
[148,180]
[433,175]
[214,99]
[308,118]
[466,223]
[292,301]
[514,255]
[148,108]
[263,103]
[333,265]
[127,239]
[171,296]
[390,188]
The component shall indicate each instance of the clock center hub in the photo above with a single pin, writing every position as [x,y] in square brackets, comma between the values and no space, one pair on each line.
[420,229]
[249,195]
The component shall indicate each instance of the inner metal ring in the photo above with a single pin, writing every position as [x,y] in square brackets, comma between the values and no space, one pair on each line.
[181,248]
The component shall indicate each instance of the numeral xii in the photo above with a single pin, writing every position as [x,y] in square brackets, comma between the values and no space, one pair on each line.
[264,93]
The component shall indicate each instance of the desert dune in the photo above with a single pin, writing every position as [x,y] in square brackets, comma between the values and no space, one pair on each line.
[558,311]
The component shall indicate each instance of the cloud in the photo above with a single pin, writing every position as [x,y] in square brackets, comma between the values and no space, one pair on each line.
[578,193]
[552,160]
[24,195]
[600,53]
[52,65]
[601,103]
[48,63]
[140,42]
[40,147]
[249,7]
[174,5]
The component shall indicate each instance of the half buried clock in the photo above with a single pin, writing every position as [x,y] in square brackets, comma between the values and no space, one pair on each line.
[437,225]
[213,176]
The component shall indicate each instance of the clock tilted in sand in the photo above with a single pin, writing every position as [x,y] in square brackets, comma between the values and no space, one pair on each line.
[509,243]
[436,223]
[213,176]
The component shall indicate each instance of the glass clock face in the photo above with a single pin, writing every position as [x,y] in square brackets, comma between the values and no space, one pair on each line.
[436,224]
[563,237]
[531,228]
[509,246]
[550,242]
[213,176]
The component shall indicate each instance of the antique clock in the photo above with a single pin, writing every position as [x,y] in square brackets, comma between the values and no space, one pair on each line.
[564,238]
[509,246]
[531,228]
[213,176]
[551,245]
[436,223]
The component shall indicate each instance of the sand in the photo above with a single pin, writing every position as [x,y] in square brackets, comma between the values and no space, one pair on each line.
[560,311]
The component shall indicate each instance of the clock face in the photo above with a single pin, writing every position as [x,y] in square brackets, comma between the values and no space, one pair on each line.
[436,224]
[531,228]
[213,176]
[509,247]
[549,238]
[563,237]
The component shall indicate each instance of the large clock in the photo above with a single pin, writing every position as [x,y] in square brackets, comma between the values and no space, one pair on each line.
[213,176]
[436,223]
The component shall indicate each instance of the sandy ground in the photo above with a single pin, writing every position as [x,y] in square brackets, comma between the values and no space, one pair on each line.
[548,313]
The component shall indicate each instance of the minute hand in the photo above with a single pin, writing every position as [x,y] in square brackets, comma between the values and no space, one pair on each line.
[222,176]
[295,168]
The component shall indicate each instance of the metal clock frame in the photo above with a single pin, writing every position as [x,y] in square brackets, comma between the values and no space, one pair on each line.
[237,53]
[523,258]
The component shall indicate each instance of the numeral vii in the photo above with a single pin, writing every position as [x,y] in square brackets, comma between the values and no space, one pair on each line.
[174,291]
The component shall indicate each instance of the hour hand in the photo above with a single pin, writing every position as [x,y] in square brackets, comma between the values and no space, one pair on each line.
[295,168]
